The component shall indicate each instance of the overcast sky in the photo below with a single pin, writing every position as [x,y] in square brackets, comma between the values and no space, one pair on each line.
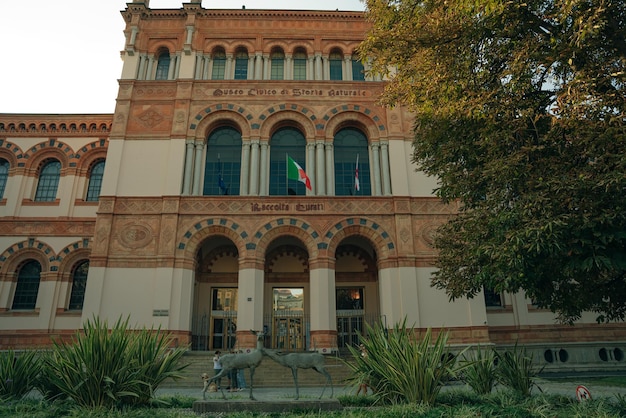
[64,56]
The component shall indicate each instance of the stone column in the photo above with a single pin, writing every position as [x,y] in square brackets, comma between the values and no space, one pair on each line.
[266,67]
[288,67]
[330,170]
[264,188]
[245,168]
[188,166]
[141,73]
[149,75]
[171,70]
[197,177]
[310,68]
[320,168]
[254,167]
[228,68]
[208,68]
[310,162]
[376,189]
[258,66]
[318,67]
[347,67]
[384,159]
[324,315]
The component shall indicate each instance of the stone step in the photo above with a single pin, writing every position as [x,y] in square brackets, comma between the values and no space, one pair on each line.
[268,374]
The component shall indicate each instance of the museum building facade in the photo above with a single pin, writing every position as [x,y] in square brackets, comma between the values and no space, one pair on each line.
[248,179]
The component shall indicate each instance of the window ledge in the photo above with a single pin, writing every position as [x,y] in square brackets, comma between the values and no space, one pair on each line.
[20,312]
[30,202]
[80,202]
[67,312]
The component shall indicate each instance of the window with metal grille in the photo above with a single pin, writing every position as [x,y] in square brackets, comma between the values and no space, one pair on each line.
[79,282]
[278,65]
[336,72]
[48,182]
[95,182]
[163,65]
[222,169]
[219,65]
[4,175]
[241,64]
[27,287]
[286,141]
[299,65]
[352,165]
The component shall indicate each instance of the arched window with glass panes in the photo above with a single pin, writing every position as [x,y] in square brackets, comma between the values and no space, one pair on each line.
[299,64]
[48,181]
[285,142]
[358,71]
[219,64]
[95,181]
[163,64]
[352,165]
[241,64]
[277,58]
[79,283]
[27,287]
[222,169]
[4,175]
[335,60]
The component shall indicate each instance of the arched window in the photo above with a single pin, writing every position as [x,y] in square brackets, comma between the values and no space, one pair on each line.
[299,65]
[163,65]
[48,182]
[278,65]
[4,175]
[352,166]
[358,71]
[335,60]
[27,288]
[241,64]
[222,170]
[79,282]
[219,64]
[95,181]
[286,142]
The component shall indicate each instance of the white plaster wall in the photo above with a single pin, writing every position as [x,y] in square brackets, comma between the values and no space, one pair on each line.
[404,177]
[322,282]
[155,167]
[250,312]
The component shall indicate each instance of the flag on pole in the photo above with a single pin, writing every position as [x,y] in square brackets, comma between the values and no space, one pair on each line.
[357,185]
[220,179]
[295,172]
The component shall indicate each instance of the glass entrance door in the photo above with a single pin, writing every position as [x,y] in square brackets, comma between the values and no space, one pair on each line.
[288,331]
[350,316]
[223,318]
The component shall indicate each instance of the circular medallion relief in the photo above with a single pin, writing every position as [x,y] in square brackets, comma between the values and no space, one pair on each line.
[135,236]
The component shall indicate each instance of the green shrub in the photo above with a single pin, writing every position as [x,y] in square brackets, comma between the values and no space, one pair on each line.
[400,368]
[515,370]
[480,370]
[18,373]
[106,368]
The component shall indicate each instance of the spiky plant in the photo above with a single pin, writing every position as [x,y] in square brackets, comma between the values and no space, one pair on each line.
[18,373]
[401,367]
[480,370]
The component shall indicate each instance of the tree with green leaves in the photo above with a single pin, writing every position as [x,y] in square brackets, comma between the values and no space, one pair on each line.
[520,111]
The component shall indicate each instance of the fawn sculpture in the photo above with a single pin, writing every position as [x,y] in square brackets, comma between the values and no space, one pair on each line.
[296,361]
[249,360]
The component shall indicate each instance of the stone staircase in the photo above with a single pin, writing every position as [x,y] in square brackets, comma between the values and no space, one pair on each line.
[268,374]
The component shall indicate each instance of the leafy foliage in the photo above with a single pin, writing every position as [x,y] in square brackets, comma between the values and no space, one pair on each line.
[401,368]
[480,370]
[107,368]
[516,370]
[18,374]
[520,111]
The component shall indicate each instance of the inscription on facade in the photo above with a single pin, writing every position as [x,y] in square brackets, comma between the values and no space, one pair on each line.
[286,207]
[292,92]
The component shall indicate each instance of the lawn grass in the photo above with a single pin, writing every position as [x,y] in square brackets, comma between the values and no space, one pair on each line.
[455,403]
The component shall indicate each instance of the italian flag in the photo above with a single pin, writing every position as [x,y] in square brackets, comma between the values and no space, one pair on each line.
[295,172]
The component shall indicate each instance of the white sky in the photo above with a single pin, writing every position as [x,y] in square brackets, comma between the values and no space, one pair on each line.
[64,56]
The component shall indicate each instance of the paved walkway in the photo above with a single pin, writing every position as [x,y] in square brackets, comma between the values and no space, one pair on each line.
[285,393]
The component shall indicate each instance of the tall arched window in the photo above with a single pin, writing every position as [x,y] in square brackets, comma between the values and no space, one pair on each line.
[163,64]
[48,182]
[95,181]
[27,288]
[335,60]
[299,65]
[222,170]
[286,142]
[241,64]
[4,175]
[278,64]
[358,71]
[352,166]
[219,64]
[79,283]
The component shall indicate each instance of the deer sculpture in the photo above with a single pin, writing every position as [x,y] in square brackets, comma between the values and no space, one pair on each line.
[249,360]
[296,361]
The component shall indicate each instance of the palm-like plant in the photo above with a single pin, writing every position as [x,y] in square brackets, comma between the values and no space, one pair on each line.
[399,367]
[105,367]
[18,373]
[480,370]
